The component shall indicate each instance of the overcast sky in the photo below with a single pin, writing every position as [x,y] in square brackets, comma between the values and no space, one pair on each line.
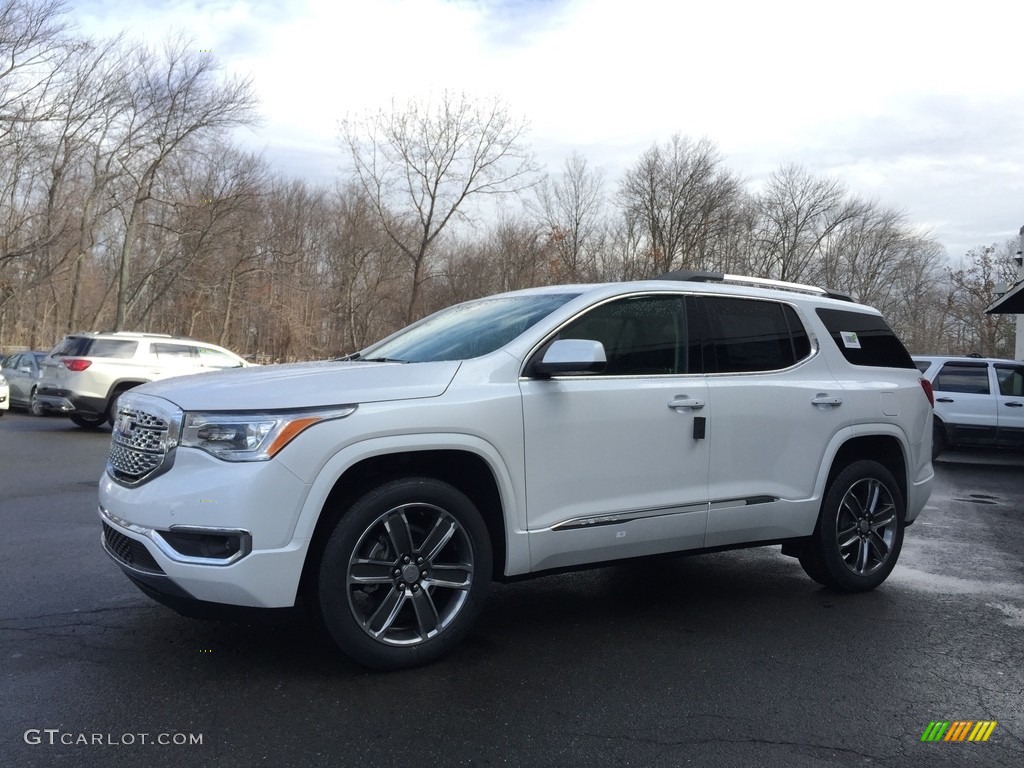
[919,105]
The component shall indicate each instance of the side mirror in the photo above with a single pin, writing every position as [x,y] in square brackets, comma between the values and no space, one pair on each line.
[568,357]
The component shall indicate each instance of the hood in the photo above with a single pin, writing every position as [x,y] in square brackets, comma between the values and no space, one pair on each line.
[303,385]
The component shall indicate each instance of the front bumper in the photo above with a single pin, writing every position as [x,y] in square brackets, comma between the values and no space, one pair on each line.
[225,536]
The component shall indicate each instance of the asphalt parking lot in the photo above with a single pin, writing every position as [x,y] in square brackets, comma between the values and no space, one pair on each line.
[730,659]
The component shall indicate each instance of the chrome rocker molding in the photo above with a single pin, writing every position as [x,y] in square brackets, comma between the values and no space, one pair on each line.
[644,514]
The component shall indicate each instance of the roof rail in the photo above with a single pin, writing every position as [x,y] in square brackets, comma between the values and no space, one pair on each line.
[691,276]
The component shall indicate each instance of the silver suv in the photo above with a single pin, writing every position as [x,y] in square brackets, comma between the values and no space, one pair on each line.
[86,373]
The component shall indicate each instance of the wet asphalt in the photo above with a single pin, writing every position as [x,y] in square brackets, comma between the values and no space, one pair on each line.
[731,659]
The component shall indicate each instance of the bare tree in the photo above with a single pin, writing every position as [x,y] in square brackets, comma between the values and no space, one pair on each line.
[972,288]
[32,45]
[678,195]
[797,216]
[421,164]
[570,210]
[364,273]
[175,100]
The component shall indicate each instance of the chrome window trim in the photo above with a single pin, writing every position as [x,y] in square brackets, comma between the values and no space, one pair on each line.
[812,337]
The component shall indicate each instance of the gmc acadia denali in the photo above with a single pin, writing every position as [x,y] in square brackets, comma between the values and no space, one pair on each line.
[518,434]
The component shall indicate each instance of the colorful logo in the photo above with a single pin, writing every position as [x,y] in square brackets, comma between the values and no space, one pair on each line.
[959,730]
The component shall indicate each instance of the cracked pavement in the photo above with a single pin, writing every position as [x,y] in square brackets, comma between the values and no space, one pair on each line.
[727,659]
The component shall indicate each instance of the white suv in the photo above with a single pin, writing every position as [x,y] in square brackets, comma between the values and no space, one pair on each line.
[544,429]
[86,373]
[979,401]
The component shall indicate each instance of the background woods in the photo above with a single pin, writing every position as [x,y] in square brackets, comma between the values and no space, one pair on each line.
[124,205]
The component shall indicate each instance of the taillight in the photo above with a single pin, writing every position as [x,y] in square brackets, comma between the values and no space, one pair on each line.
[76,364]
[929,393]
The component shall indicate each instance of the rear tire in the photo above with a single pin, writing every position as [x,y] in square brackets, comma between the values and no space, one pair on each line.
[939,442]
[859,534]
[404,573]
[34,406]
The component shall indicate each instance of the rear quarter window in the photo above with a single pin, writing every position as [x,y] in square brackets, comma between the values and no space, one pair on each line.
[116,348]
[865,339]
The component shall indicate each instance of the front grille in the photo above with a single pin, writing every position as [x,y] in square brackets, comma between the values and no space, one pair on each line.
[129,551]
[138,445]
[129,464]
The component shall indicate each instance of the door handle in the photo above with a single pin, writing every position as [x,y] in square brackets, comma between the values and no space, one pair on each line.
[944,400]
[824,399]
[686,402]
[1014,405]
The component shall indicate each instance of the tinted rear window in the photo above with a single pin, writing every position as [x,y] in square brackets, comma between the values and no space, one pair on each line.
[71,346]
[119,348]
[752,335]
[85,346]
[865,339]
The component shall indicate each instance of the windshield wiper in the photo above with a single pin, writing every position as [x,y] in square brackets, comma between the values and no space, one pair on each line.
[382,360]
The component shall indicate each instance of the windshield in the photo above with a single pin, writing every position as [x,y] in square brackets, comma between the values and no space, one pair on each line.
[467,330]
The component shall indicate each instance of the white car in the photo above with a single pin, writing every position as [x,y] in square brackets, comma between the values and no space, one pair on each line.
[544,429]
[5,396]
[85,374]
[978,401]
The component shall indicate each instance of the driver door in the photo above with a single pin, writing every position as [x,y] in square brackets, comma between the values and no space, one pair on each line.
[616,462]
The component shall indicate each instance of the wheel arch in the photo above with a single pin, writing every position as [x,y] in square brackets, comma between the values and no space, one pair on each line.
[465,470]
[123,385]
[886,449]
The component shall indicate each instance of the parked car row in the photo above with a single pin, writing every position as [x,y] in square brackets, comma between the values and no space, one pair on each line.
[86,373]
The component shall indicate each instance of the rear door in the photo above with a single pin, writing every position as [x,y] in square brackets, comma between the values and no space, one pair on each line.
[965,403]
[774,407]
[1010,404]
[20,376]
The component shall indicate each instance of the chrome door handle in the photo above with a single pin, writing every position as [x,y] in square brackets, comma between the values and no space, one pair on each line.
[826,400]
[944,400]
[686,402]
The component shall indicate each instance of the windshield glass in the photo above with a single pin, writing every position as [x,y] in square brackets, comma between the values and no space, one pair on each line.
[467,330]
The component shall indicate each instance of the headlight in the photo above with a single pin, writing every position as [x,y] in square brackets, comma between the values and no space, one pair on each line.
[251,436]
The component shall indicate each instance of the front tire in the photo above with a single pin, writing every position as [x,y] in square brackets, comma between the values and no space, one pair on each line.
[860,529]
[113,405]
[87,422]
[404,573]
